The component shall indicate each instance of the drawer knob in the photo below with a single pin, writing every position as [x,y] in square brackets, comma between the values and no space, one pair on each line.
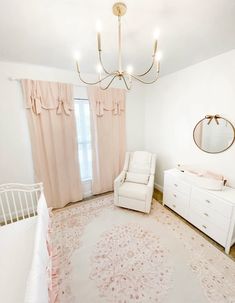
[174,205]
[208,201]
[206,214]
[176,185]
[204,226]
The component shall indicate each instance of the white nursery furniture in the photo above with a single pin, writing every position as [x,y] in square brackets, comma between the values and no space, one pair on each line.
[133,188]
[24,258]
[213,212]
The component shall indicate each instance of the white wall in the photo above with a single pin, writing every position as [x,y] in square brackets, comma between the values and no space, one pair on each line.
[135,118]
[177,102]
[15,149]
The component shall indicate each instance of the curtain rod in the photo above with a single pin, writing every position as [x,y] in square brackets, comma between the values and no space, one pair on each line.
[18,79]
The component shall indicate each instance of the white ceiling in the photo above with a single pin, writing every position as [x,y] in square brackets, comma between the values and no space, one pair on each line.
[47,32]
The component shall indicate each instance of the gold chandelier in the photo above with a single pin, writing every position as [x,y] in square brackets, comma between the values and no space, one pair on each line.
[119,10]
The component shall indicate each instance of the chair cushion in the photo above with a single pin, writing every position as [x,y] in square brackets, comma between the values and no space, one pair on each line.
[133,190]
[140,162]
[137,178]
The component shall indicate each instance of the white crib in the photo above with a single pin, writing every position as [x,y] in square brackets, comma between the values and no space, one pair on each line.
[24,256]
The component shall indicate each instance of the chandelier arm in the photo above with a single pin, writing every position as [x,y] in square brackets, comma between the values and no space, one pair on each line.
[111,81]
[124,80]
[96,82]
[148,70]
[146,82]
[101,63]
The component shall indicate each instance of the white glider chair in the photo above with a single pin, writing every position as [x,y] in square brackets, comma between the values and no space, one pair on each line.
[133,188]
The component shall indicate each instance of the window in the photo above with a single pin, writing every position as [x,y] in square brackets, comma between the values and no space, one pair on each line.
[82,114]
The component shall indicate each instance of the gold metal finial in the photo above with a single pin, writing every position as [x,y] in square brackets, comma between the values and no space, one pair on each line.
[119,9]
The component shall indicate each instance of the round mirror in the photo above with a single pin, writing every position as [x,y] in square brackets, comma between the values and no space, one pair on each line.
[214,134]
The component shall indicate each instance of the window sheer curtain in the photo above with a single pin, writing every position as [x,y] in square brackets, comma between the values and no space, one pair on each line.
[108,132]
[50,112]
[82,114]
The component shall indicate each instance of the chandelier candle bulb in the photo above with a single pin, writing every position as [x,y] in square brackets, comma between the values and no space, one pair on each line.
[77,64]
[99,41]
[98,26]
[129,69]
[99,71]
[155,48]
[77,56]
[156,34]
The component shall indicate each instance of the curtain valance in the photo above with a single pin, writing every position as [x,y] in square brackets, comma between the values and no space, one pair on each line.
[41,95]
[115,101]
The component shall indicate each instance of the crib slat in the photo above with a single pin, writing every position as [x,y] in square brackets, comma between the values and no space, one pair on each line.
[3,211]
[27,206]
[21,206]
[31,196]
[8,206]
[37,195]
[14,202]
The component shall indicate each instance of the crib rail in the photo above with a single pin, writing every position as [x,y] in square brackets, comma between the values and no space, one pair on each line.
[18,201]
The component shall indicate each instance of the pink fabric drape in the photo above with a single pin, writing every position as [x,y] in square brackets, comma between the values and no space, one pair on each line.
[54,142]
[108,136]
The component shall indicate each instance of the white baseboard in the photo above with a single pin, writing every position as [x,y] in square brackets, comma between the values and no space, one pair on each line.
[158,186]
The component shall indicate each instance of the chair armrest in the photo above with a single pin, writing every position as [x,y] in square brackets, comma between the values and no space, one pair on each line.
[117,182]
[151,181]
[120,179]
[149,197]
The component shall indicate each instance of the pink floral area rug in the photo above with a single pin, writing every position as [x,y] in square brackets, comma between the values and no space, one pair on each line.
[114,255]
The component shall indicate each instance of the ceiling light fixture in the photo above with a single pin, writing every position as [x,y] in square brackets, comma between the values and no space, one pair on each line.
[119,10]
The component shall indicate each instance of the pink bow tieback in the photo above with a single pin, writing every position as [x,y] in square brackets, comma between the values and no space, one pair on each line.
[99,108]
[62,104]
[36,105]
[114,107]
[117,108]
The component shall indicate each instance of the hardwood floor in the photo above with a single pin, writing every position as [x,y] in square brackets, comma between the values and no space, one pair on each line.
[159,197]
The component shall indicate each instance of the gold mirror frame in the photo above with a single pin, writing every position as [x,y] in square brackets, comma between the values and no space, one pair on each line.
[210,118]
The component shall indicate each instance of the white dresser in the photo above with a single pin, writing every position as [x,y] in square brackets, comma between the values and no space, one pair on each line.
[213,212]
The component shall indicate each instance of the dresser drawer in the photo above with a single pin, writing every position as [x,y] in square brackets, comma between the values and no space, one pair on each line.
[176,200]
[179,185]
[210,214]
[212,202]
[216,233]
